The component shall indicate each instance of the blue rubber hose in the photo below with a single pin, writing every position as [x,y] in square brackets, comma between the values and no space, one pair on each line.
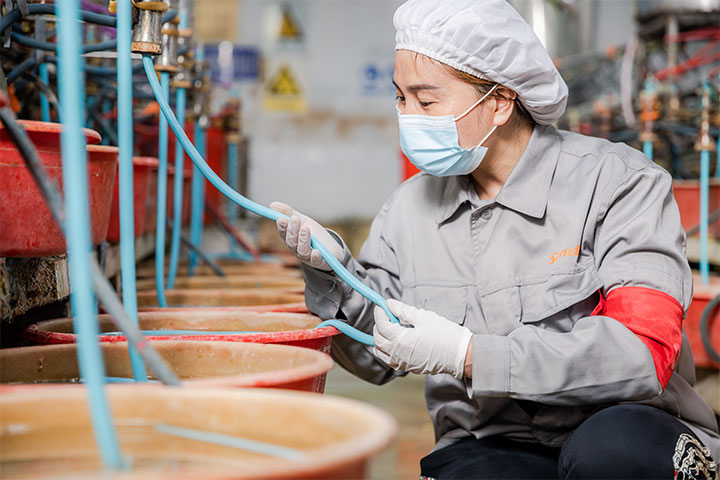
[177,192]
[75,182]
[180,99]
[44,103]
[348,330]
[648,149]
[233,172]
[163,93]
[125,176]
[248,204]
[198,201]
[704,193]
[197,214]
[647,144]
[40,31]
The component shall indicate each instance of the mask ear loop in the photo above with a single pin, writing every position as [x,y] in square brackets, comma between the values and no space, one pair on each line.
[477,103]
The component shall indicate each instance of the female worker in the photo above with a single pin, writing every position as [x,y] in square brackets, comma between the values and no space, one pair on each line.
[540,274]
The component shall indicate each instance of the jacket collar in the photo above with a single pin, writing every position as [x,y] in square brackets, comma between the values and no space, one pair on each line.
[526,189]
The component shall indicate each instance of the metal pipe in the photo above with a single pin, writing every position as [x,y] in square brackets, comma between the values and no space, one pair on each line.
[147,34]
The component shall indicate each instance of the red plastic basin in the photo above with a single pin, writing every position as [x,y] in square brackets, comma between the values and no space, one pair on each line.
[269,327]
[702,294]
[142,169]
[187,194]
[298,307]
[687,196]
[45,433]
[151,203]
[196,364]
[28,229]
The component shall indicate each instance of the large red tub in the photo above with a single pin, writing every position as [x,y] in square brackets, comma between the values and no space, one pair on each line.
[222,297]
[147,269]
[187,194]
[687,196]
[142,175]
[702,295]
[196,364]
[270,327]
[28,228]
[45,433]
[298,307]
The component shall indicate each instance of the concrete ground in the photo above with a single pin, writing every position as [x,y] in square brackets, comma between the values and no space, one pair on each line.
[404,399]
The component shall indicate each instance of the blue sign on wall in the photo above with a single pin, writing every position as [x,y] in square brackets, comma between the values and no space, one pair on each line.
[376,79]
[242,64]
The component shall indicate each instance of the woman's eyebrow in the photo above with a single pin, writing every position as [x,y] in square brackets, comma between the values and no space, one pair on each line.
[418,87]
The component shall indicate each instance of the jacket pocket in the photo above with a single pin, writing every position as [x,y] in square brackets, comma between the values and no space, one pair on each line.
[450,302]
[561,290]
[535,299]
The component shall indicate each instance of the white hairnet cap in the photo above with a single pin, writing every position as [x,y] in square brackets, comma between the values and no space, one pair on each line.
[488,39]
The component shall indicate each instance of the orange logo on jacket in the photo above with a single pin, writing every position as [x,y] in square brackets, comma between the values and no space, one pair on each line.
[566,252]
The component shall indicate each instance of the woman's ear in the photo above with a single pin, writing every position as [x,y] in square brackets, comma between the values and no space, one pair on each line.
[504,105]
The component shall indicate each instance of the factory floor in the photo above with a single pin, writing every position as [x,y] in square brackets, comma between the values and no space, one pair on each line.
[404,399]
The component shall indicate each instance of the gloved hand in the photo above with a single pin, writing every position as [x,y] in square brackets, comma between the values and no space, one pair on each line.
[297,231]
[435,344]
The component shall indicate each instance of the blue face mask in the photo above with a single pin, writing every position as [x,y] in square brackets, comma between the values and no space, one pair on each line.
[431,143]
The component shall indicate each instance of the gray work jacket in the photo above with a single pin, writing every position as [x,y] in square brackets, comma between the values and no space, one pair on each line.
[577,215]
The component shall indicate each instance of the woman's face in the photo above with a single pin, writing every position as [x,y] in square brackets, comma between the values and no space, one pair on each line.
[424,86]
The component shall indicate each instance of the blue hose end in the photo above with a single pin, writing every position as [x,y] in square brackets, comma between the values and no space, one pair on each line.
[349,330]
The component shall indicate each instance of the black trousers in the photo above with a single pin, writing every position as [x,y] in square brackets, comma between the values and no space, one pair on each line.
[619,442]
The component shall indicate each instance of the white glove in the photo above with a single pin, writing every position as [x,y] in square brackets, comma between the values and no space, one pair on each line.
[296,232]
[435,344]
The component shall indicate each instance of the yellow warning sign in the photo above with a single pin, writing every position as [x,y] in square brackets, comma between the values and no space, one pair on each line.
[283,83]
[289,27]
[283,92]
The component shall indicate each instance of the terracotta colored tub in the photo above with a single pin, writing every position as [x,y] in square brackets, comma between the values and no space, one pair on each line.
[687,196]
[45,433]
[271,327]
[230,281]
[27,227]
[151,203]
[147,269]
[702,295]
[142,169]
[221,297]
[298,307]
[187,193]
[196,363]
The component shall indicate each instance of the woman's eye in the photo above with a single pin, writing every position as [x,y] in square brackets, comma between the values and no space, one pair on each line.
[425,104]
[399,98]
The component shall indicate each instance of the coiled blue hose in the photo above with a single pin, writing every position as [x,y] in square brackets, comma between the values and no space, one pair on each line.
[248,204]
